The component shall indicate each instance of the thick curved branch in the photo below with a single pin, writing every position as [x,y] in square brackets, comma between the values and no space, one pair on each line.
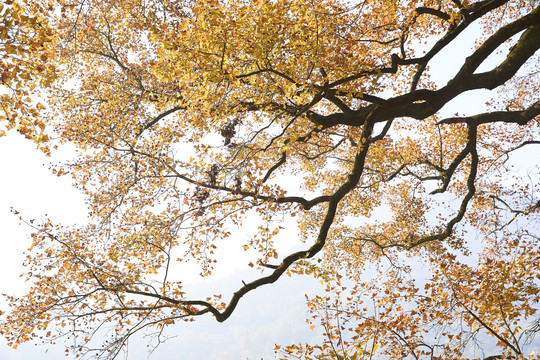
[337,101]
[471,190]
[448,173]
[359,95]
[306,204]
[152,122]
[281,161]
[526,46]
[386,70]
[471,14]
[420,104]
[339,194]
[518,117]
[438,13]
[471,148]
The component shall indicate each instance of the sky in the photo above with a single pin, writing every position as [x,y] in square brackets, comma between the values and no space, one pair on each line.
[271,315]
[259,323]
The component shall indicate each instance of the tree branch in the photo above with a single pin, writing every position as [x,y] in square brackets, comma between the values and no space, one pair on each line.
[521,117]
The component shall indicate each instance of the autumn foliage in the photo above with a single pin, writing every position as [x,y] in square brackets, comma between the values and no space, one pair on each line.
[317,118]
[25,53]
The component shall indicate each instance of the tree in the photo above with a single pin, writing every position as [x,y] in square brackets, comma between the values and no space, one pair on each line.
[192,116]
[25,49]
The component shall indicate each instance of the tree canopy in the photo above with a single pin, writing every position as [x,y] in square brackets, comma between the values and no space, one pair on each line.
[317,118]
[25,50]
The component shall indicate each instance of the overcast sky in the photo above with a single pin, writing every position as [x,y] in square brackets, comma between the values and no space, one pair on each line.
[271,315]
[259,323]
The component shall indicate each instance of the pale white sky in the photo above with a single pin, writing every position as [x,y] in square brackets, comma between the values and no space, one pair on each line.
[273,315]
